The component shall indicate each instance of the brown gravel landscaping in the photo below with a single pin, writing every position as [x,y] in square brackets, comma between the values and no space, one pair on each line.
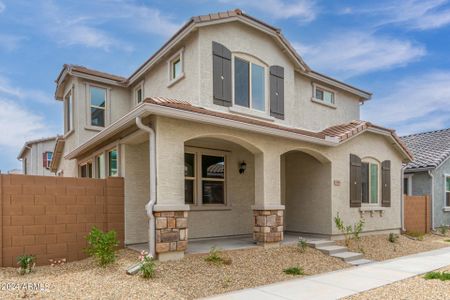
[411,289]
[189,278]
[377,247]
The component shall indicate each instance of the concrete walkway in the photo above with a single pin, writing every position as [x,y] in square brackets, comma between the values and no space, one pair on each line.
[347,282]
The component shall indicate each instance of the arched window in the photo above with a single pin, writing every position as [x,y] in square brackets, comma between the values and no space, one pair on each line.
[370,180]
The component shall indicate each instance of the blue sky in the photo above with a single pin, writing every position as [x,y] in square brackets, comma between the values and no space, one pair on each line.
[399,50]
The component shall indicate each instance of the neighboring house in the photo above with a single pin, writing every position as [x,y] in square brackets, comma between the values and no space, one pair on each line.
[231,133]
[15,171]
[429,173]
[36,156]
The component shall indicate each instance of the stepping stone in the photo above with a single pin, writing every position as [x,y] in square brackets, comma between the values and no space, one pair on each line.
[329,250]
[348,256]
[360,262]
[320,243]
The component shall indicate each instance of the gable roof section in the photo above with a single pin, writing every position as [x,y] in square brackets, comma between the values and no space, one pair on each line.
[28,144]
[57,154]
[188,27]
[332,136]
[430,149]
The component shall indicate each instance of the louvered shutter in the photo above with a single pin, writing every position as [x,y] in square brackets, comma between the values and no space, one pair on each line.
[355,181]
[386,183]
[277,92]
[44,159]
[221,74]
[365,183]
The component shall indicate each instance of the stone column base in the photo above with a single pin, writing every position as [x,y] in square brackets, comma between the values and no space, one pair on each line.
[171,234]
[268,227]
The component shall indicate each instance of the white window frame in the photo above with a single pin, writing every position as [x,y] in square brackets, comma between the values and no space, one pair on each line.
[68,131]
[104,150]
[178,55]
[374,161]
[135,93]
[250,110]
[198,179]
[48,161]
[320,101]
[85,164]
[446,207]
[107,162]
[89,125]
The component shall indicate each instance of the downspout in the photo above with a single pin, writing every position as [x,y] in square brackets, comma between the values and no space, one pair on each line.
[432,198]
[149,206]
[402,209]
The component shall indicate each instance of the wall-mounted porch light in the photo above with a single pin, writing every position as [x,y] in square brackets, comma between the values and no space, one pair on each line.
[242,167]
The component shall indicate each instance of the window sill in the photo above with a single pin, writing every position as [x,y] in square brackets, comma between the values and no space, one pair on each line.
[67,134]
[251,113]
[446,209]
[209,207]
[371,210]
[323,103]
[173,81]
[94,128]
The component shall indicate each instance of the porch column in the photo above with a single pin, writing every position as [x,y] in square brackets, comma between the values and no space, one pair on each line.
[170,211]
[268,210]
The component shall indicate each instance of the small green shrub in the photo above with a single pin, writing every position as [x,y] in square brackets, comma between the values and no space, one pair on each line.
[443,276]
[302,245]
[26,263]
[102,246]
[350,232]
[147,265]
[296,271]
[214,256]
[393,238]
[443,230]
[448,241]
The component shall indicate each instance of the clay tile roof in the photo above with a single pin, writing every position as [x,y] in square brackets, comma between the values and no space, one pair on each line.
[430,149]
[347,130]
[82,69]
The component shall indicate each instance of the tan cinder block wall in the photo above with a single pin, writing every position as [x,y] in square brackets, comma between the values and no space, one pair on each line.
[417,214]
[49,217]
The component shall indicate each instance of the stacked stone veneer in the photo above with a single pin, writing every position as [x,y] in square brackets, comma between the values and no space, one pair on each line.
[171,231]
[268,226]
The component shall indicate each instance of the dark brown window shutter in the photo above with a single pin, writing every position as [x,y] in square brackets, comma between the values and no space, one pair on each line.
[365,183]
[277,92]
[355,181]
[44,159]
[221,74]
[386,183]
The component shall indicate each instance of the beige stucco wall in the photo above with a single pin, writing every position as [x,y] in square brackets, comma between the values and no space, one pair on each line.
[171,135]
[135,170]
[307,194]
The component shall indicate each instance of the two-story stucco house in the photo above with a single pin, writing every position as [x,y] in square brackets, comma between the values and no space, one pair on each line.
[226,131]
[36,156]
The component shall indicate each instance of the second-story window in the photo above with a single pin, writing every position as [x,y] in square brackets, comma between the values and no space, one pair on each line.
[249,84]
[176,67]
[68,112]
[98,106]
[139,95]
[47,159]
[322,94]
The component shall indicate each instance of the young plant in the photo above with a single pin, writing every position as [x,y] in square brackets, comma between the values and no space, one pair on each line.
[214,256]
[350,232]
[147,265]
[393,238]
[102,246]
[443,276]
[296,271]
[302,244]
[26,263]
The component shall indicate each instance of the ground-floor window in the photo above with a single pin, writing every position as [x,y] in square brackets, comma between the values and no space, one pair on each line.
[370,178]
[112,163]
[204,175]
[86,170]
[447,191]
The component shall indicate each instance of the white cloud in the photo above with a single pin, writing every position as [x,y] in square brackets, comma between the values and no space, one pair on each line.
[31,95]
[346,54]
[2,7]
[19,124]
[416,103]
[10,42]
[413,14]
[303,10]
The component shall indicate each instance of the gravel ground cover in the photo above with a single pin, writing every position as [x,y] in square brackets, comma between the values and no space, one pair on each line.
[377,247]
[189,278]
[411,289]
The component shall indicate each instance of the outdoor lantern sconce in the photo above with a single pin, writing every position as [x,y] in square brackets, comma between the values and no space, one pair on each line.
[242,167]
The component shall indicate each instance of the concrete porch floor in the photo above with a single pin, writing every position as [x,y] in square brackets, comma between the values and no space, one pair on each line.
[223,243]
